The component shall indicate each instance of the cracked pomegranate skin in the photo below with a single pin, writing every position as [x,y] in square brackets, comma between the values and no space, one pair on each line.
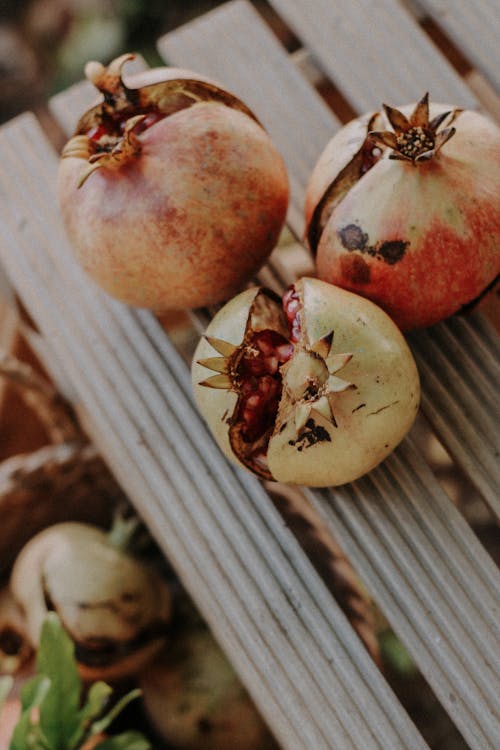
[346,351]
[189,220]
[439,221]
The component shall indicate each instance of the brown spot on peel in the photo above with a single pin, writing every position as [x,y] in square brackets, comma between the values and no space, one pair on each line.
[353,238]
[355,269]
[392,251]
[314,433]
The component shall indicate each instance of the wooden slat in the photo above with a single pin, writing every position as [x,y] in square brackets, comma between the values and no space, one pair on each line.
[461,402]
[293,647]
[412,547]
[374,51]
[405,591]
[474,27]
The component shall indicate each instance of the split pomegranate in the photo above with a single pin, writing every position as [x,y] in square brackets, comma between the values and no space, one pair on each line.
[404,208]
[171,192]
[313,389]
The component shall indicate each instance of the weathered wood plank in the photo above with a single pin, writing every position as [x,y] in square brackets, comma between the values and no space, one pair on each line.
[301,661]
[374,51]
[474,27]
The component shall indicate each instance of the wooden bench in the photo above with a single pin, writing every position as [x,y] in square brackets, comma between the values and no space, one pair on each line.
[294,648]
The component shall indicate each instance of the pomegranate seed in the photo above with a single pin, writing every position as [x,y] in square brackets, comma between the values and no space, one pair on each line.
[253,401]
[96,133]
[284,352]
[260,383]
[291,307]
[272,365]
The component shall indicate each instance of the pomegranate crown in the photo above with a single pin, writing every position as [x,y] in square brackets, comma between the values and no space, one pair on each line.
[414,138]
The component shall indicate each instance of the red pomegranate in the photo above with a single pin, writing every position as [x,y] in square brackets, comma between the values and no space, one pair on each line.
[171,192]
[409,217]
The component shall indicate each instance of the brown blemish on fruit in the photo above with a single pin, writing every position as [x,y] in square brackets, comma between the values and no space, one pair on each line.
[358,408]
[313,434]
[392,251]
[353,238]
[355,269]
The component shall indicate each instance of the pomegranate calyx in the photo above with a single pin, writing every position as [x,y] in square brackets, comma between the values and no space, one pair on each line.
[217,364]
[414,139]
[323,345]
[221,381]
[121,151]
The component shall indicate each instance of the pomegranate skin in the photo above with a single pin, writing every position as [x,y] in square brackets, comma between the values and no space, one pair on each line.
[420,240]
[348,353]
[187,221]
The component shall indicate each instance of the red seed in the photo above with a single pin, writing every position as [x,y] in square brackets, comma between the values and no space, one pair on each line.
[260,383]
[96,133]
[253,401]
[284,352]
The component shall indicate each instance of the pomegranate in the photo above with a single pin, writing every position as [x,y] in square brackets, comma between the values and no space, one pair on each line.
[115,608]
[195,701]
[313,389]
[410,216]
[171,192]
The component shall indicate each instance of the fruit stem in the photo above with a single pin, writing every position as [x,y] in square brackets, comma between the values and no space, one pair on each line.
[109,81]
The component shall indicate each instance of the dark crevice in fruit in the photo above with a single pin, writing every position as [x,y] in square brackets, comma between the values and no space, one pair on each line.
[363,160]
[205,726]
[260,387]
[104,652]
[370,155]
[259,381]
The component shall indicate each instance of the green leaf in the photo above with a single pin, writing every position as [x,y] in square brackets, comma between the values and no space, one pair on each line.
[103,724]
[34,691]
[59,711]
[55,691]
[97,698]
[125,741]
[27,734]
[5,688]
